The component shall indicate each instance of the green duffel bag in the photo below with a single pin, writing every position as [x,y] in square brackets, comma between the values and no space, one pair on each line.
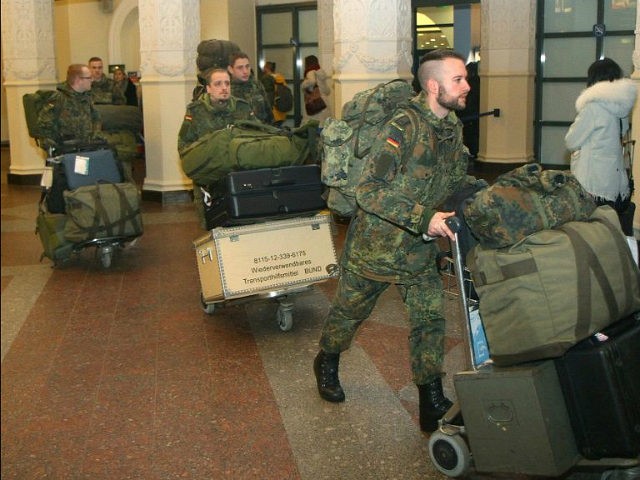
[50,228]
[555,287]
[102,210]
[246,145]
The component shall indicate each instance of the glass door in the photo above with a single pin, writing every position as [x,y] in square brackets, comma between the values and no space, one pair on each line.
[572,34]
[286,34]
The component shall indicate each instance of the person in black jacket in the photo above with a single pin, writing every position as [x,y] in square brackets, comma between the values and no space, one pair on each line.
[125,87]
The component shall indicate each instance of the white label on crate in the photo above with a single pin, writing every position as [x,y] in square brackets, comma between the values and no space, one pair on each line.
[276,255]
[81,166]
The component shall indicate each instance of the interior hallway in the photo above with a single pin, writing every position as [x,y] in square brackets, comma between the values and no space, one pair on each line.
[119,374]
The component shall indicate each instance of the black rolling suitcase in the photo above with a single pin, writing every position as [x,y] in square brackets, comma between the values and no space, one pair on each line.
[248,196]
[600,379]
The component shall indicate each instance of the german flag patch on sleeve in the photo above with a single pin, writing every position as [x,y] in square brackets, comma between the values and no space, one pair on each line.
[395,137]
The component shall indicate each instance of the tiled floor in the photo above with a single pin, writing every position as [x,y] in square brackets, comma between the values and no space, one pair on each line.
[119,374]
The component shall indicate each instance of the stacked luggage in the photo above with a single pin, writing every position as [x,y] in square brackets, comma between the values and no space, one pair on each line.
[559,298]
[268,237]
[87,202]
[262,202]
[88,196]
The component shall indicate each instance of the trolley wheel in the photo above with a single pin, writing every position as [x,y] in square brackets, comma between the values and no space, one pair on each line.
[208,308]
[285,318]
[106,255]
[449,453]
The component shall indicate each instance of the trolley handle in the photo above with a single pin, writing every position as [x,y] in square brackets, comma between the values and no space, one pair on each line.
[454,224]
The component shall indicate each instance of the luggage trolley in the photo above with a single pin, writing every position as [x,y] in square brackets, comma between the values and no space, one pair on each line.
[510,419]
[269,260]
[94,167]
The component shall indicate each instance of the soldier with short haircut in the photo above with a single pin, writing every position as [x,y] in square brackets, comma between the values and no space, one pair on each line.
[70,114]
[213,110]
[102,86]
[390,239]
[244,86]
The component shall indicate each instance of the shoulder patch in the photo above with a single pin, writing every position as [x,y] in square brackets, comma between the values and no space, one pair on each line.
[188,118]
[396,135]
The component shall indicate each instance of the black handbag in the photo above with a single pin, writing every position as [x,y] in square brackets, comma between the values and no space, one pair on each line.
[313,102]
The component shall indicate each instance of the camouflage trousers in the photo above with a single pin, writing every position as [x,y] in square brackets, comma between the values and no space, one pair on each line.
[355,298]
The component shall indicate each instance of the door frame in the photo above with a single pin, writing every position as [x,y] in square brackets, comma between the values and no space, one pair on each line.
[294,43]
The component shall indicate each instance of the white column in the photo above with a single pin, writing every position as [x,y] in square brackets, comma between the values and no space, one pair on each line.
[169,37]
[372,44]
[507,74]
[29,65]
[635,122]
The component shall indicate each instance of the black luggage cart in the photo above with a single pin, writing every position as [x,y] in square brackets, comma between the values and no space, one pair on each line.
[510,420]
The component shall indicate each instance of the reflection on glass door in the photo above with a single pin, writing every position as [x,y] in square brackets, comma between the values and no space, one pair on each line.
[286,34]
[572,34]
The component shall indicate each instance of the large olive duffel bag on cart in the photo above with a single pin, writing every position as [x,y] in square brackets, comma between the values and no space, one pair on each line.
[555,287]
[102,210]
[247,145]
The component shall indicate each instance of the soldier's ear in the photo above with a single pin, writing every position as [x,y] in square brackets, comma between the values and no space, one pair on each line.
[432,86]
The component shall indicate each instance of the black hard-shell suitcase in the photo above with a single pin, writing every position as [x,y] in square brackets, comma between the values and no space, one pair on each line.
[248,196]
[88,168]
[600,379]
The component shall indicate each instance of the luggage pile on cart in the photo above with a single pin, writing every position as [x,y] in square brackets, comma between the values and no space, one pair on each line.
[86,202]
[553,328]
[269,237]
[88,199]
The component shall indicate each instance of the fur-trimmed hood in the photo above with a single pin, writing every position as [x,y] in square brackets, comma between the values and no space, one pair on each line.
[617,97]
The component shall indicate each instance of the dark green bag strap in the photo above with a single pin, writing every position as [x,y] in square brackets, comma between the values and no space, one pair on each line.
[118,227]
[626,258]
[259,127]
[101,215]
[130,214]
[586,262]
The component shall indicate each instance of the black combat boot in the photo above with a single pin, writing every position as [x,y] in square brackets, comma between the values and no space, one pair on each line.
[433,405]
[325,366]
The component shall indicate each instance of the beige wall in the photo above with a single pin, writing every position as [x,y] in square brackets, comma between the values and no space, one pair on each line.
[81,31]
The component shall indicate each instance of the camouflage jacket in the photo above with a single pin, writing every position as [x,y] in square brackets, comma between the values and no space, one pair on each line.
[403,181]
[69,115]
[103,92]
[203,117]
[253,93]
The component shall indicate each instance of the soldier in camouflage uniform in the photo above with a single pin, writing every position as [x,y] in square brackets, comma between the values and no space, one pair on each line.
[244,86]
[389,240]
[102,88]
[213,110]
[70,114]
